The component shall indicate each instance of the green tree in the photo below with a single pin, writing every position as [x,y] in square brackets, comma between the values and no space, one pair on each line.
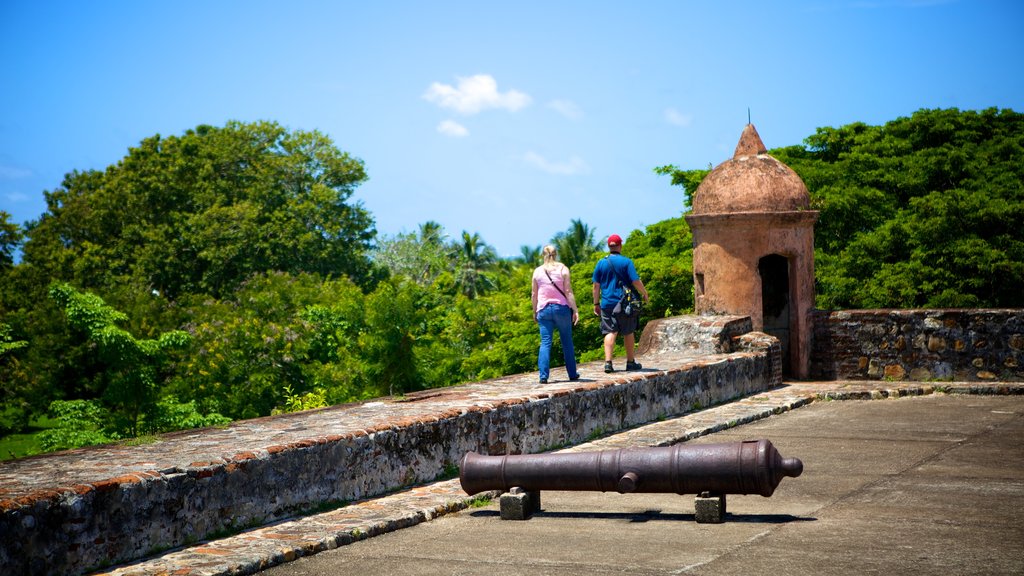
[432,233]
[133,365]
[576,244]
[169,415]
[177,220]
[419,258]
[7,344]
[530,255]
[921,212]
[201,212]
[78,423]
[395,322]
[277,333]
[495,335]
[663,255]
[14,410]
[689,180]
[475,258]
[10,238]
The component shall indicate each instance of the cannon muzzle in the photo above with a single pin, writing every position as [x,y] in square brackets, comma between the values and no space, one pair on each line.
[748,467]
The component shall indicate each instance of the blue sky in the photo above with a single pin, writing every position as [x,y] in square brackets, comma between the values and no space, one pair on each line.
[505,118]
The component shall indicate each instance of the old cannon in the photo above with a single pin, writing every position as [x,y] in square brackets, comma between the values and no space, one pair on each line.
[708,470]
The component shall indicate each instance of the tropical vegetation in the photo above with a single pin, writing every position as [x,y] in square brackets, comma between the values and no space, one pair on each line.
[922,212]
[227,273]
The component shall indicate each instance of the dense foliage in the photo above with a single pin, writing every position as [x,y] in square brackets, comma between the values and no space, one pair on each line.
[922,212]
[225,273]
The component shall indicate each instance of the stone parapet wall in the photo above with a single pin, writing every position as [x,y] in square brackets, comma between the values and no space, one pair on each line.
[148,505]
[757,341]
[923,345]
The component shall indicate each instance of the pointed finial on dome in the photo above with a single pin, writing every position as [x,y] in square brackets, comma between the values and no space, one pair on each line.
[750,143]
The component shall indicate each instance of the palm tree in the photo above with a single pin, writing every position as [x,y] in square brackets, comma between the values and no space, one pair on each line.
[475,257]
[576,244]
[530,255]
[431,232]
[433,252]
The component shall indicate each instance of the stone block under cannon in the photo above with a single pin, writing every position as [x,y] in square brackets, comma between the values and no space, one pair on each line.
[711,471]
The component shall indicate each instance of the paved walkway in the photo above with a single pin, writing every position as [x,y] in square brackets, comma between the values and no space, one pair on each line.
[261,548]
[917,486]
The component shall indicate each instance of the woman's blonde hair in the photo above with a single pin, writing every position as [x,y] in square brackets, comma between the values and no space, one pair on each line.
[550,254]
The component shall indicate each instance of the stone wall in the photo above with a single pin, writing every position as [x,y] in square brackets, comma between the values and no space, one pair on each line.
[921,345]
[71,529]
[705,334]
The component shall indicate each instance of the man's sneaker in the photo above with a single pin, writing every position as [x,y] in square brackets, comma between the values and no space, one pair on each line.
[608,368]
[633,365]
[543,380]
[574,378]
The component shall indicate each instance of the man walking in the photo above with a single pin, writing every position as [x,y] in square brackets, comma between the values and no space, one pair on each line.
[610,275]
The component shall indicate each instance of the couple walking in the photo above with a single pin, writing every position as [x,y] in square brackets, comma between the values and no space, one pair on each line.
[554,307]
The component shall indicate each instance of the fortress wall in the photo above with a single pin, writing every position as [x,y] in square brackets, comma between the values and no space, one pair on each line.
[61,529]
[923,345]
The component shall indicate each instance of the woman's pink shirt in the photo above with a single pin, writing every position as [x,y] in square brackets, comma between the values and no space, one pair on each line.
[546,291]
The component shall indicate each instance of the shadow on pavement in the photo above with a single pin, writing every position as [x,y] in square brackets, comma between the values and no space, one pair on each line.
[649,515]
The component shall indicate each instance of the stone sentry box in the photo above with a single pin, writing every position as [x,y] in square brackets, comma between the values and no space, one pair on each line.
[753,237]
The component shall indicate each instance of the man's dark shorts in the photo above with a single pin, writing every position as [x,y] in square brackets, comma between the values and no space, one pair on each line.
[617,322]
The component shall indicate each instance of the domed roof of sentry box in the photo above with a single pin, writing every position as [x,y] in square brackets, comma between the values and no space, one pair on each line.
[751,181]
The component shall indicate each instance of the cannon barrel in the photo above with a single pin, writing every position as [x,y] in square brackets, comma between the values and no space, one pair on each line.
[748,467]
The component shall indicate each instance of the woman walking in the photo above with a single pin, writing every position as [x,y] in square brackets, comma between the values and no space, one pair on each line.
[554,308]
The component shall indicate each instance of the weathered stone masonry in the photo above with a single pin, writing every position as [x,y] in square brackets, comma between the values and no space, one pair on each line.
[921,345]
[157,503]
[69,512]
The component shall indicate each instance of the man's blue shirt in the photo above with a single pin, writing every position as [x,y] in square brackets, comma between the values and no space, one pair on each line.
[608,272]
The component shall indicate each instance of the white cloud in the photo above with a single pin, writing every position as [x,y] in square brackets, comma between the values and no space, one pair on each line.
[16,196]
[677,118]
[575,164]
[453,129]
[475,94]
[566,108]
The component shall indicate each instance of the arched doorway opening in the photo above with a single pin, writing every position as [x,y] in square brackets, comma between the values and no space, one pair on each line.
[775,302]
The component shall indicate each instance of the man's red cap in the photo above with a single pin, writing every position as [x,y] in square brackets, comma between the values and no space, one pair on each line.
[614,240]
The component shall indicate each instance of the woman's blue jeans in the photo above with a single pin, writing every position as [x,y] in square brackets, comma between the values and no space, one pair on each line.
[550,318]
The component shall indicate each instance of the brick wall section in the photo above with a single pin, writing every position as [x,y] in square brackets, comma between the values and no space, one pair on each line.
[921,345]
[67,529]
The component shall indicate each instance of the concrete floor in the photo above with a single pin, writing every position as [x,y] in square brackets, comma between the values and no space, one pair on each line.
[918,485]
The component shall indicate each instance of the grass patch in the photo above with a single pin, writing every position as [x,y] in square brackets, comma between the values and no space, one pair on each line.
[25,444]
[139,440]
[327,506]
[450,471]
[479,501]
[553,447]
[18,445]
[232,530]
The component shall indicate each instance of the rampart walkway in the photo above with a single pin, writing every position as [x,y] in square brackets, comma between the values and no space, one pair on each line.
[76,511]
[260,492]
[257,549]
